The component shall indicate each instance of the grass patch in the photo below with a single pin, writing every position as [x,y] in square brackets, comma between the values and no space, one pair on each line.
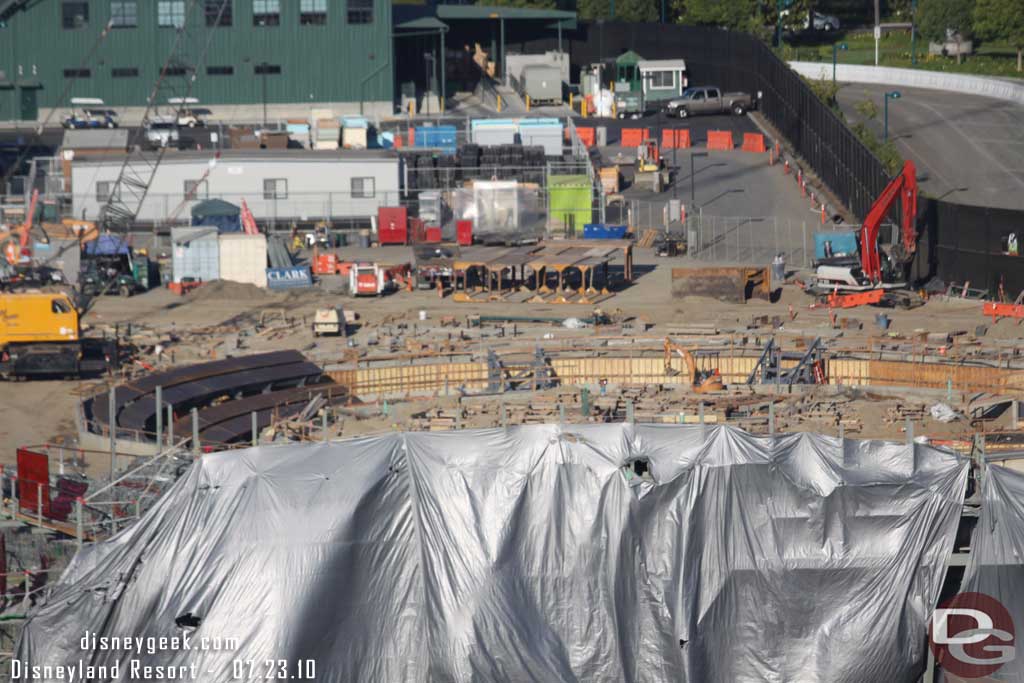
[989,59]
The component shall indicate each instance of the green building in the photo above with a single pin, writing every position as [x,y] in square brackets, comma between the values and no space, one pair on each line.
[287,55]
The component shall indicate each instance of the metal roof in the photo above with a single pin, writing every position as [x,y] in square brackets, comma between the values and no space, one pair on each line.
[424,23]
[241,155]
[655,64]
[491,12]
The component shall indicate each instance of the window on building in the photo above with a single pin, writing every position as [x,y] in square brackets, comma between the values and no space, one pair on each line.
[313,12]
[74,14]
[77,73]
[275,188]
[124,13]
[170,13]
[176,71]
[662,79]
[220,70]
[124,72]
[196,189]
[360,11]
[266,12]
[362,188]
[269,69]
[212,9]
[103,190]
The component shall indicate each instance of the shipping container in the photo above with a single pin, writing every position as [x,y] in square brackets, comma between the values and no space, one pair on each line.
[243,258]
[546,133]
[437,137]
[490,132]
[195,254]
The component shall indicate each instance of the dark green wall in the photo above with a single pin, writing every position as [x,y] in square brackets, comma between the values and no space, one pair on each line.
[318,63]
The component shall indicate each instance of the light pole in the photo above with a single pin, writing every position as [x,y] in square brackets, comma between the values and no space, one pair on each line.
[778,23]
[428,62]
[836,47]
[891,95]
[694,155]
[913,32]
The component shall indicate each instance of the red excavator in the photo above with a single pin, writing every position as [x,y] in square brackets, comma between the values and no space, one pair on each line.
[863,281]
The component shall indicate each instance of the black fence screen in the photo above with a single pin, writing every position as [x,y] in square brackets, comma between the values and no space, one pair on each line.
[958,243]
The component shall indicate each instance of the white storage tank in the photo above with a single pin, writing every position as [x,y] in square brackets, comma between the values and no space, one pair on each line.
[195,253]
[243,258]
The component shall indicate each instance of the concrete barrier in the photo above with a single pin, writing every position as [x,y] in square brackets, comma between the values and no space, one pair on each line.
[1001,89]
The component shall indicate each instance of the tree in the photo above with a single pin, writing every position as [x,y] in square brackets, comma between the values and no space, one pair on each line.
[1002,20]
[530,4]
[936,19]
[744,15]
[625,10]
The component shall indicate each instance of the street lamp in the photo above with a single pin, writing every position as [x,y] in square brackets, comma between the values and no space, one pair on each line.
[694,155]
[836,47]
[891,95]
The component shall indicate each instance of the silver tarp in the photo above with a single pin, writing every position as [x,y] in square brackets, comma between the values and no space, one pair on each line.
[531,554]
[996,564]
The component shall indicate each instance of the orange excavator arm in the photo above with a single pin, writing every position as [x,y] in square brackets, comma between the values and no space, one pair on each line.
[904,187]
[30,216]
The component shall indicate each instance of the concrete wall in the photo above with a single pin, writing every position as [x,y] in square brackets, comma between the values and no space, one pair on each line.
[915,78]
[318,183]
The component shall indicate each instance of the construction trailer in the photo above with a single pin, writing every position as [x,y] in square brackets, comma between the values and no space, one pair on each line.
[278,185]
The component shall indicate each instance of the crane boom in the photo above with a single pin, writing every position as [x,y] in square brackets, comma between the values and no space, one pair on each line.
[903,186]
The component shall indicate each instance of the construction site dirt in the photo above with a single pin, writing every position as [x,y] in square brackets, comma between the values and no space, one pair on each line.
[219,320]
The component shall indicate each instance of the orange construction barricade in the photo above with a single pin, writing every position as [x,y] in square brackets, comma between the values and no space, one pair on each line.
[586,135]
[720,139]
[753,142]
[634,137]
[672,138]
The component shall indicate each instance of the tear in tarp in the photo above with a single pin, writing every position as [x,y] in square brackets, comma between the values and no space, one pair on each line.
[531,554]
[996,563]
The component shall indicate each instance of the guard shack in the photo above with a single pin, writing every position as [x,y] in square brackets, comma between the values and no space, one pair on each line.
[662,79]
[627,75]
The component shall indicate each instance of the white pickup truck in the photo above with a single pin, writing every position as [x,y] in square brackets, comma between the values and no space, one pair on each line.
[709,100]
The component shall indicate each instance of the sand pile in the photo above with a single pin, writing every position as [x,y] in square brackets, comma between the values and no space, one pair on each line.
[225,290]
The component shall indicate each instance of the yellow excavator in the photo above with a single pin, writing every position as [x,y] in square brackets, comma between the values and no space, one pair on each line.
[703,382]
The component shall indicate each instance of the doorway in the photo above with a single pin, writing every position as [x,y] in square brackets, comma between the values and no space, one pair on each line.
[29,106]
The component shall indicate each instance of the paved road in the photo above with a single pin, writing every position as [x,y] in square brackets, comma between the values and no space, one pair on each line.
[968,149]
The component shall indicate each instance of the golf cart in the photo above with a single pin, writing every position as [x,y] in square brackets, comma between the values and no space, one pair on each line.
[88,112]
[188,114]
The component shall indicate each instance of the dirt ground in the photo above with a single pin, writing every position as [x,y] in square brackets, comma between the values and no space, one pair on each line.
[41,411]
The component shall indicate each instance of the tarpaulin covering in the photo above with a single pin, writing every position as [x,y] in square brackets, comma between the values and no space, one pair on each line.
[107,245]
[532,554]
[996,563]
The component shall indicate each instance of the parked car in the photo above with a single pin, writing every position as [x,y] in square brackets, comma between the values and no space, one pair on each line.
[823,22]
[88,112]
[709,100]
[162,132]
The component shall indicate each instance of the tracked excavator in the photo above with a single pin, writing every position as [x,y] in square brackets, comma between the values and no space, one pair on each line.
[702,382]
[876,277]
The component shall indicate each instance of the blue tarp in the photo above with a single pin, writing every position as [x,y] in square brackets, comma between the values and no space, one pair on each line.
[600,231]
[107,245]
